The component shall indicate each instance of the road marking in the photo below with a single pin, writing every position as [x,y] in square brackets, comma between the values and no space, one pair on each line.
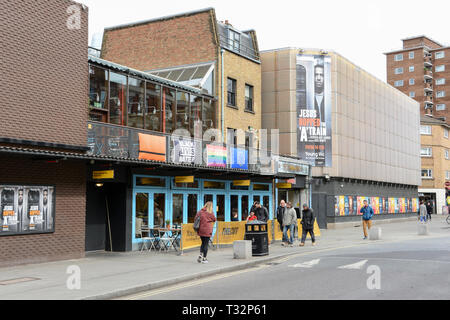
[355,266]
[188,284]
[308,264]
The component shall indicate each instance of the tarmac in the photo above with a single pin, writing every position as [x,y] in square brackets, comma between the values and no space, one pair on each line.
[106,275]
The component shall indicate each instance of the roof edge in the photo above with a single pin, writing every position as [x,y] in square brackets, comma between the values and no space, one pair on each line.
[142,22]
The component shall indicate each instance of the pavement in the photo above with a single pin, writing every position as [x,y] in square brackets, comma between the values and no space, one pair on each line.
[106,275]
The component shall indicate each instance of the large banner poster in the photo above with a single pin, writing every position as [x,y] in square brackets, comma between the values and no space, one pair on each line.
[313,93]
[27,209]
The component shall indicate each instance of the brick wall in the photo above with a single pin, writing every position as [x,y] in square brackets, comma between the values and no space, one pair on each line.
[166,43]
[68,241]
[44,72]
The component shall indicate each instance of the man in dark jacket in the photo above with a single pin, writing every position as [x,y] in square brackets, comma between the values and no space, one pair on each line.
[429,210]
[261,212]
[307,225]
[280,213]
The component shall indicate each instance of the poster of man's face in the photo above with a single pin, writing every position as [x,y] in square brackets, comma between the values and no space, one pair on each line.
[319,79]
[26,209]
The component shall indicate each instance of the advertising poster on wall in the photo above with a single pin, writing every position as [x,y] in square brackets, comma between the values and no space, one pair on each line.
[415,205]
[26,209]
[375,203]
[313,95]
[336,205]
[360,201]
[341,205]
[351,208]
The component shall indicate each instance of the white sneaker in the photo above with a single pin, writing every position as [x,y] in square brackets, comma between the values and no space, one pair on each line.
[200,258]
[205,261]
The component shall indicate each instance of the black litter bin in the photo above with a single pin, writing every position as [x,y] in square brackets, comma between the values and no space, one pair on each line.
[256,231]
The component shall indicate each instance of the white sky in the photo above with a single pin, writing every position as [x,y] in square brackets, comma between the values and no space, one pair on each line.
[360,30]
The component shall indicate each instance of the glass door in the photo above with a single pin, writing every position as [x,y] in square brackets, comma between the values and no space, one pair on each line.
[141,213]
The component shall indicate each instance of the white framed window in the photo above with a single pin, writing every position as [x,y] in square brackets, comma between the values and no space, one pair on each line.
[425,130]
[411,69]
[446,133]
[440,81]
[440,94]
[398,57]
[447,175]
[411,82]
[426,152]
[398,70]
[446,154]
[398,83]
[411,55]
[440,107]
[440,68]
[427,173]
[439,55]
[412,94]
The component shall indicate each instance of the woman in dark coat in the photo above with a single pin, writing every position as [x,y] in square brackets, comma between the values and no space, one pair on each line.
[207,219]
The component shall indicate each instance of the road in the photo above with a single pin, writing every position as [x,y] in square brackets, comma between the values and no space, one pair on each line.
[407,270]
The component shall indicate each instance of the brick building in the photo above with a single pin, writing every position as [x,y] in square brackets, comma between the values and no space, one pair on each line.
[435,148]
[43,131]
[190,48]
[421,70]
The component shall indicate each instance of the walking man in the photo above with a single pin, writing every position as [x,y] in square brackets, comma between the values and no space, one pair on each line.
[429,209]
[289,221]
[280,214]
[423,212]
[307,225]
[367,212]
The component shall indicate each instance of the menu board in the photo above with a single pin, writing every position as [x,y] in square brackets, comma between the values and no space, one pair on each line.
[26,209]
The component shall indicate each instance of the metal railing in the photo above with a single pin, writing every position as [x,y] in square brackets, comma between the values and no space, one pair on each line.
[94,52]
[238,47]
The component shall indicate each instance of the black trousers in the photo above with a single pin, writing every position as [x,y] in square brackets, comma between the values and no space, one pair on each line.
[305,232]
[204,247]
[429,216]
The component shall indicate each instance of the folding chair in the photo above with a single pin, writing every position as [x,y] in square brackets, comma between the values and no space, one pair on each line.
[154,239]
[166,240]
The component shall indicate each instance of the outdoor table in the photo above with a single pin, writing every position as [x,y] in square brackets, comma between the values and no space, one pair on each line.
[168,238]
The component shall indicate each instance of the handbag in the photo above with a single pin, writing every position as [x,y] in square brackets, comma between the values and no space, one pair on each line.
[197,223]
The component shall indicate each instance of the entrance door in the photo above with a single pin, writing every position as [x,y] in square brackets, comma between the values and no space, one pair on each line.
[150,209]
[219,205]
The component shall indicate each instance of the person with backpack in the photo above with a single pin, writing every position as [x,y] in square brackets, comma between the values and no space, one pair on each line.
[367,213]
[203,224]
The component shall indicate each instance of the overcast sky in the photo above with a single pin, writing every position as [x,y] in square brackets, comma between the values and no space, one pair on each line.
[361,31]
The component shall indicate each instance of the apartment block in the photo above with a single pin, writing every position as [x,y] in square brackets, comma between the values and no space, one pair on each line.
[421,70]
[435,148]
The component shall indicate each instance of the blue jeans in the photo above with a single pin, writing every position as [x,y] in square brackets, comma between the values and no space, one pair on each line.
[291,231]
[423,218]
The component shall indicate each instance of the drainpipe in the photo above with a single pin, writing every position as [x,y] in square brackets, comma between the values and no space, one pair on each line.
[223,94]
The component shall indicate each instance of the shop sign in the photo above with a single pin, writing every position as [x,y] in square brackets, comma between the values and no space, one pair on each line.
[187,179]
[241,183]
[102,175]
[284,185]
[289,167]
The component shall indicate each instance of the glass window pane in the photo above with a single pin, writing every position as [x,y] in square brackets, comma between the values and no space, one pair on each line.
[262,187]
[118,99]
[234,207]
[266,203]
[98,94]
[209,115]
[196,114]
[213,185]
[136,103]
[153,107]
[207,198]
[220,209]
[182,114]
[177,209]
[192,207]
[150,182]
[187,185]
[168,105]
[159,208]
[141,213]
[244,208]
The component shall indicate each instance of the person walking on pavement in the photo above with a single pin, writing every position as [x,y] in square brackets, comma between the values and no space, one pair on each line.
[280,213]
[429,210]
[207,219]
[289,222]
[423,212]
[307,225]
[368,213]
[261,212]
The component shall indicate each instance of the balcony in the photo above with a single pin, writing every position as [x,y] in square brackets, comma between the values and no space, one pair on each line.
[428,74]
[124,144]
[238,47]
[428,88]
[427,63]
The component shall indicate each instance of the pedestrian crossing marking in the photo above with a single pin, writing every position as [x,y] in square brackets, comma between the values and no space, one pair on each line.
[308,264]
[355,266]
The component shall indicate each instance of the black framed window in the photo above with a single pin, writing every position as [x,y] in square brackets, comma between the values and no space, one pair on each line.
[136,89]
[153,107]
[231,88]
[98,94]
[248,98]
[118,99]
[168,105]
[208,114]
[182,114]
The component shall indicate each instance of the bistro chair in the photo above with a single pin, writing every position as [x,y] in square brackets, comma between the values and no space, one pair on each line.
[139,222]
